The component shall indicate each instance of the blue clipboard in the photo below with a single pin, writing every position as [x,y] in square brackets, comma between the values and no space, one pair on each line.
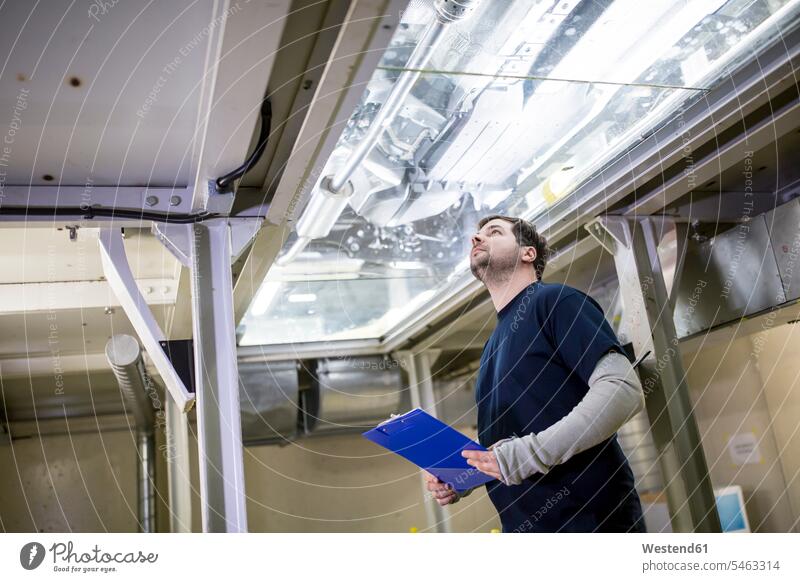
[432,445]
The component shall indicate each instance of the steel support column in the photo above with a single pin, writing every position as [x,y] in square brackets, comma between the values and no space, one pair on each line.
[648,317]
[216,378]
[177,454]
[420,384]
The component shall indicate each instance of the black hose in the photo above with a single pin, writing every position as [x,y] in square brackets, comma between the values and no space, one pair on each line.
[225,183]
[91,212]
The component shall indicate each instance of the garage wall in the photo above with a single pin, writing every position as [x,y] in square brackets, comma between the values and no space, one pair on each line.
[87,483]
[83,483]
[778,364]
[730,402]
[340,483]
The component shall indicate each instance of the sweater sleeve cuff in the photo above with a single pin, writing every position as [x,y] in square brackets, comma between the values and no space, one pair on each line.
[519,458]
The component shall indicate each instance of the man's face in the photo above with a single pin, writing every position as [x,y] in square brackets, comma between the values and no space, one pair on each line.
[495,252]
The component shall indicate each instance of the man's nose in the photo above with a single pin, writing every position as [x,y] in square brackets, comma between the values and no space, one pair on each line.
[476,239]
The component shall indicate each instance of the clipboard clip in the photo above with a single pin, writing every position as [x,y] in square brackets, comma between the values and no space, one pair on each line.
[392,416]
[393,426]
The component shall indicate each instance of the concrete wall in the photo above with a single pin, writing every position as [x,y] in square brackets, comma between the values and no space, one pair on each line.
[87,483]
[778,363]
[82,483]
[730,399]
[340,483]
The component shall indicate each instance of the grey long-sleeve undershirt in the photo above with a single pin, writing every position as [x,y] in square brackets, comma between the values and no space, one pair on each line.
[615,396]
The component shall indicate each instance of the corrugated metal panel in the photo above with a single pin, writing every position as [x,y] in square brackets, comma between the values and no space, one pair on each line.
[783,224]
[727,277]
[355,393]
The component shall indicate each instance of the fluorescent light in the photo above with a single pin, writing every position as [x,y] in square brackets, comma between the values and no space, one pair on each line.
[319,266]
[302,297]
[407,265]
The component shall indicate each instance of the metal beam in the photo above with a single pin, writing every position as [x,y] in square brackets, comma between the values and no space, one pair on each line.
[120,278]
[781,121]
[217,381]
[309,350]
[174,200]
[420,384]
[648,319]
[27,206]
[312,73]
[177,456]
[16,298]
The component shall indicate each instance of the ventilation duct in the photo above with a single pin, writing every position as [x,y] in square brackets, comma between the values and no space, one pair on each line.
[270,402]
[125,357]
[740,272]
[282,401]
[356,393]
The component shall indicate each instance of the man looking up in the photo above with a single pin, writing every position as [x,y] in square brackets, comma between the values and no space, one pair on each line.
[552,390]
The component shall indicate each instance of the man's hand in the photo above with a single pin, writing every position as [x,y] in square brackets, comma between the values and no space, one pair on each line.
[483,461]
[440,491]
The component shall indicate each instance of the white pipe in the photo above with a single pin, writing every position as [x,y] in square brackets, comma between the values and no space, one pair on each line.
[447,12]
[385,115]
[328,201]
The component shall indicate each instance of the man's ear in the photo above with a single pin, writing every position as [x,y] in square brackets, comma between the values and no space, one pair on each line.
[528,254]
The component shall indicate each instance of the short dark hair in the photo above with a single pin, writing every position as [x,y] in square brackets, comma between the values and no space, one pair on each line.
[526,237]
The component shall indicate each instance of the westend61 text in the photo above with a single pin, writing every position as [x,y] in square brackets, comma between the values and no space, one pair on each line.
[675,549]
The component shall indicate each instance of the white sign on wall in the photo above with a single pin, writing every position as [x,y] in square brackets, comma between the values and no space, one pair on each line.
[743,449]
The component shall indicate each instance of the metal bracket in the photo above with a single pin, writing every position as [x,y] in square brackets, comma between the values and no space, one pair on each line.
[120,278]
[669,238]
[243,231]
[608,234]
[218,202]
[177,238]
[648,316]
